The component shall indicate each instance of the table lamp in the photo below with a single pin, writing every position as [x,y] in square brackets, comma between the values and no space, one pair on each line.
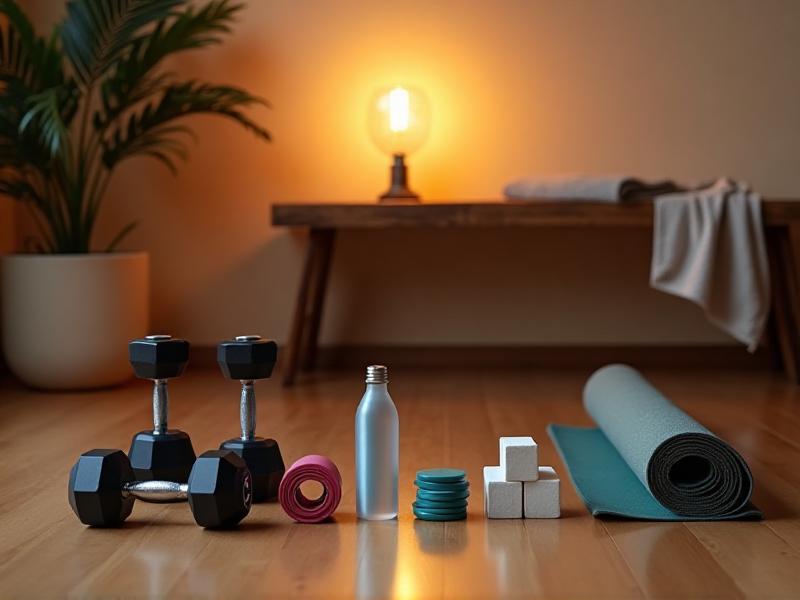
[399,121]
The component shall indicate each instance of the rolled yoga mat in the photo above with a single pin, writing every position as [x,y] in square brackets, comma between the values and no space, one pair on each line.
[647,459]
[313,467]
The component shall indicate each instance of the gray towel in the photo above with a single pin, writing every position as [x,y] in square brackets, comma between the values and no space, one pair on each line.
[604,188]
[708,247]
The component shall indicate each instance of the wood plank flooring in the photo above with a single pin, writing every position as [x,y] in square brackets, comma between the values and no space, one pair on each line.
[447,417]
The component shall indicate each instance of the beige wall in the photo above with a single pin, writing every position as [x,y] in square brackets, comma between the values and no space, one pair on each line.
[683,89]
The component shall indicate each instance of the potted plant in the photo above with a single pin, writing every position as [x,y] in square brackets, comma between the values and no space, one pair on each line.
[73,106]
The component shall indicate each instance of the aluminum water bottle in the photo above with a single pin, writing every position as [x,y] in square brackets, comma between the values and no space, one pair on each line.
[377,449]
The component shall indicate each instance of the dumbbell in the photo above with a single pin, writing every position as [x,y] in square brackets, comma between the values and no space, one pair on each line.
[162,453]
[102,489]
[248,358]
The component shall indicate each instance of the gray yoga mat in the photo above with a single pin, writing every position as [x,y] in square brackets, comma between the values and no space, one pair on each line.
[647,459]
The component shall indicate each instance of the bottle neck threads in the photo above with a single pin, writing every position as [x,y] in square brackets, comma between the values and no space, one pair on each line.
[377,374]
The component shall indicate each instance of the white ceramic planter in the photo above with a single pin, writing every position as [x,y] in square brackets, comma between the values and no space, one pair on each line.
[67,318]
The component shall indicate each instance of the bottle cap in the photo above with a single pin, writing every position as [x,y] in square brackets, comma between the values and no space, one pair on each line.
[377,374]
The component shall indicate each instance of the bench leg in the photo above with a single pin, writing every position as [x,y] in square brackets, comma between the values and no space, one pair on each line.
[309,304]
[772,343]
[320,284]
[785,299]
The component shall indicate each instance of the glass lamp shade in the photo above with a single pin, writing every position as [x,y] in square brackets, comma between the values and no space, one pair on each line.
[399,119]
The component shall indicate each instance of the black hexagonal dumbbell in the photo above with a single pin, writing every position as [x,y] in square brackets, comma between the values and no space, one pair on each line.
[102,489]
[163,453]
[248,358]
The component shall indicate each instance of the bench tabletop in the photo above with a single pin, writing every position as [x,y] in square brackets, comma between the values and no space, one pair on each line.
[498,213]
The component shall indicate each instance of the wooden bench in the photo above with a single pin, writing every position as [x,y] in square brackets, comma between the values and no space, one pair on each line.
[323,220]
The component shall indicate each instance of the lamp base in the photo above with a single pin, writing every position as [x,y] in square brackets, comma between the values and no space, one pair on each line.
[398,191]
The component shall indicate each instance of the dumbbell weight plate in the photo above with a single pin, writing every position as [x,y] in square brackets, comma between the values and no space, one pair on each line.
[436,496]
[165,456]
[220,489]
[446,512]
[94,488]
[441,475]
[430,516]
[442,487]
[263,458]
[460,504]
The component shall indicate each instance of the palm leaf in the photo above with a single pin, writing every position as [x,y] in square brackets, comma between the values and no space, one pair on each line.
[147,131]
[97,32]
[32,76]
[20,189]
[45,115]
[131,80]
[17,40]
[123,233]
[26,58]
[23,142]
[162,144]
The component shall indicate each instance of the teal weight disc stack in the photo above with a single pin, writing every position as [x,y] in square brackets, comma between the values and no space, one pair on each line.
[441,495]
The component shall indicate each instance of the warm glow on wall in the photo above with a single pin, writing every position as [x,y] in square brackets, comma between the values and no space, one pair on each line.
[399,123]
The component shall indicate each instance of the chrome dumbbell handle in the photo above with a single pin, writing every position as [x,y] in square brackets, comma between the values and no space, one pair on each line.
[247,410]
[160,406]
[156,491]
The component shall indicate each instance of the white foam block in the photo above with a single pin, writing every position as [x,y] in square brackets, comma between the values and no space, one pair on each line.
[542,499]
[501,499]
[519,458]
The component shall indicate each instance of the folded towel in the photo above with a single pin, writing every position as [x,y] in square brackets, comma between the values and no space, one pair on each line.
[606,188]
[708,247]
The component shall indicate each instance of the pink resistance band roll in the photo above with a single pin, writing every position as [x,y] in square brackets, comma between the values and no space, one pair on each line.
[313,467]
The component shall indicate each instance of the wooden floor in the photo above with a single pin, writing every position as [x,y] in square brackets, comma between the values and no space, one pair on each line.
[450,418]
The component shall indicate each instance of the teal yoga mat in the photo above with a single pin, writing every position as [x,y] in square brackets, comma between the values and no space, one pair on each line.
[647,459]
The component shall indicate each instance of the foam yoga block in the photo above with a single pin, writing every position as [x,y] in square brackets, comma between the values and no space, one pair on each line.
[648,459]
[502,499]
[519,458]
[310,468]
[541,498]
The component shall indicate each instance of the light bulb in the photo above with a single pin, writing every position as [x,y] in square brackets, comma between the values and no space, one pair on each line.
[399,119]
[398,109]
